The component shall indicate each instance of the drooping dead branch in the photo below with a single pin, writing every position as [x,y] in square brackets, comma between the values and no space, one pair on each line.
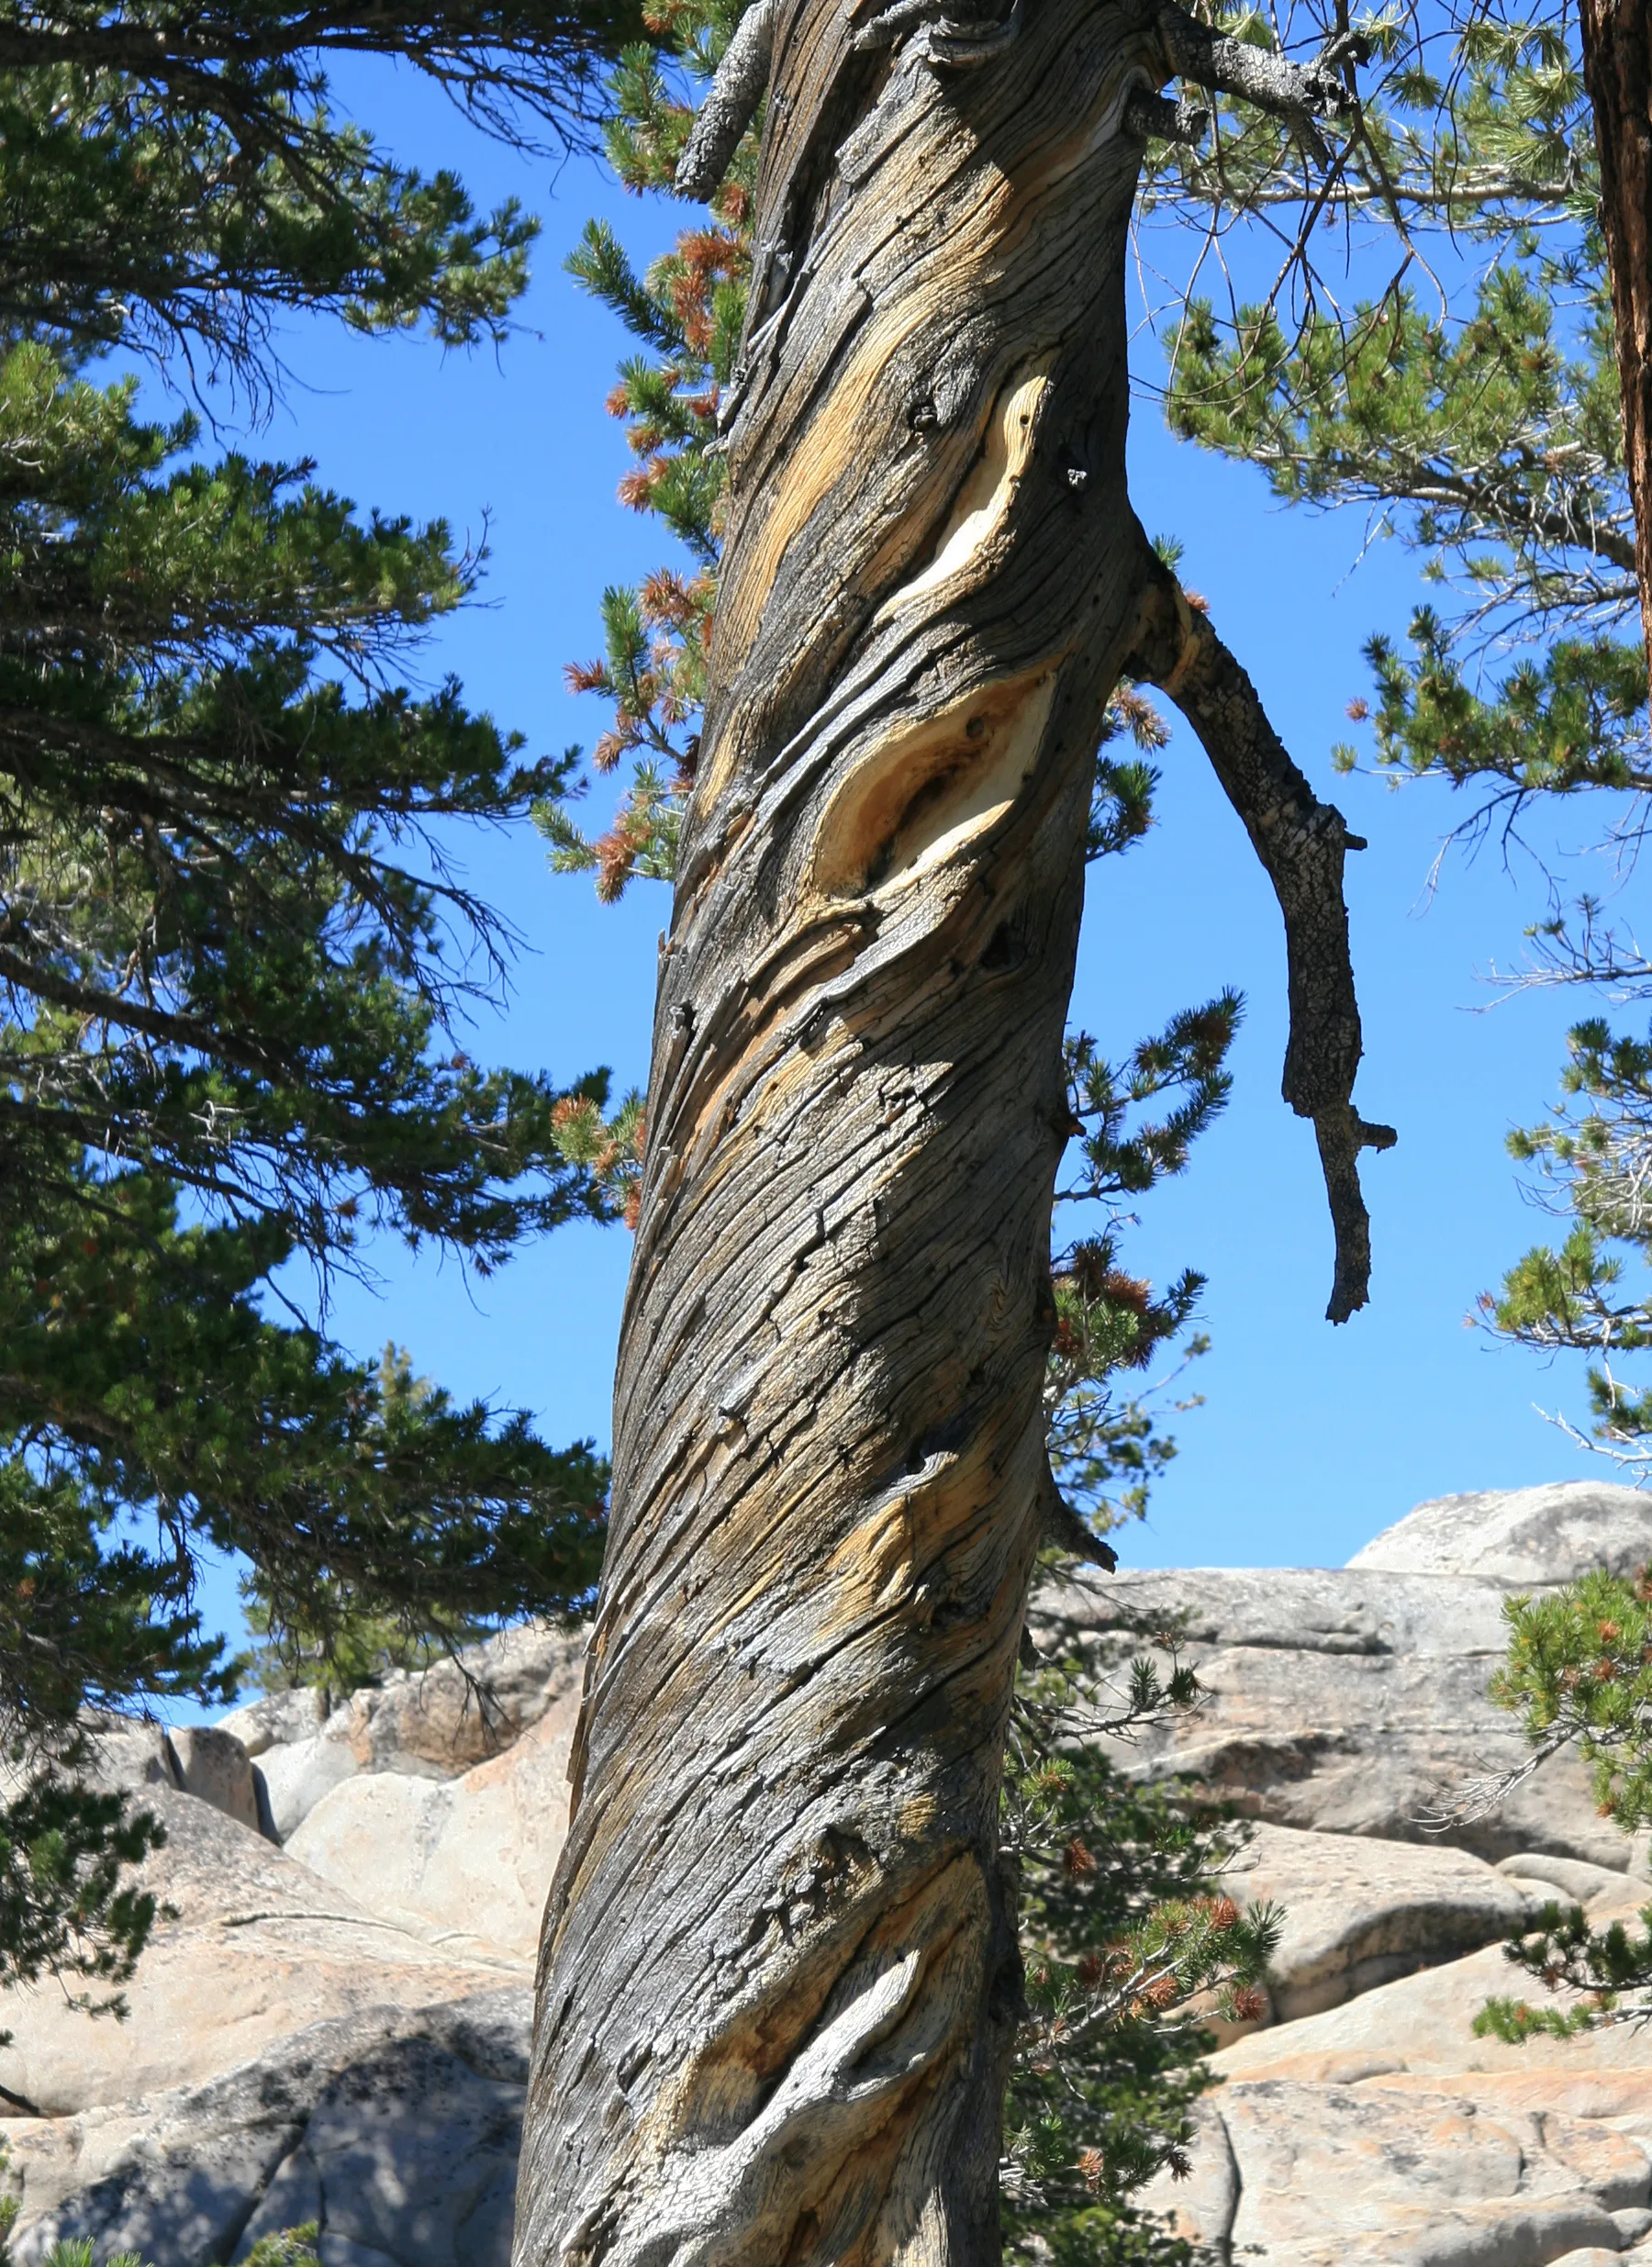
[1487,1793]
[1302,842]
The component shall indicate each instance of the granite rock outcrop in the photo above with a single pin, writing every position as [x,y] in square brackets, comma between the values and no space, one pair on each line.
[332,2023]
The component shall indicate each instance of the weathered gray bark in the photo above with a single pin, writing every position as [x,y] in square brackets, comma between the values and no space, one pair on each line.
[779,1982]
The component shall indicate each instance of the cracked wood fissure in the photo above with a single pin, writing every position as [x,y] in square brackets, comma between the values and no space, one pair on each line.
[778,1981]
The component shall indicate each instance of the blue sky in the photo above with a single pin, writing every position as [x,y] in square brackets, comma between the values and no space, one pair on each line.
[1309,1438]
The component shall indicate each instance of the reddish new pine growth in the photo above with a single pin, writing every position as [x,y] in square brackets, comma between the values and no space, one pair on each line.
[1137,714]
[636,488]
[672,602]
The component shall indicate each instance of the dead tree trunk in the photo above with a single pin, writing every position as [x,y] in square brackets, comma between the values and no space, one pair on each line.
[779,1982]
[1617,70]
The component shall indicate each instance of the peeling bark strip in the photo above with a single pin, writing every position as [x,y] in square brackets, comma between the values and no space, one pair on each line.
[1617,71]
[779,1981]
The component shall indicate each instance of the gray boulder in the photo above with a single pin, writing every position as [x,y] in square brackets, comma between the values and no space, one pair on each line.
[396,2131]
[276,1720]
[446,1719]
[1360,1912]
[1424,2024]
[1347,1702]
[1366,2176]
[128,1756]
[1557,1879]
[296,1777]
[1333,1613]
[255,1947]
[411,2153]
[434,1724]
[465,1862]
[213,1765]
[132,1757]
[1522,1537]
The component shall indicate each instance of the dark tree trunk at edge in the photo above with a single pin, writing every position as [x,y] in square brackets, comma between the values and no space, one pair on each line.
[1617,70]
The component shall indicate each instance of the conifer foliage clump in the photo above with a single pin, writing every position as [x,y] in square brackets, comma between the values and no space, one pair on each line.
[1471,407]
[1578,1673]
[234,950]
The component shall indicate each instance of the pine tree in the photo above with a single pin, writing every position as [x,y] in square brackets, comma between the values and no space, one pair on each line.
[1578,1674]
[1489,436]
[1130,1945]
[863,726]
[231,944]
[1505,439]
[176,176]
